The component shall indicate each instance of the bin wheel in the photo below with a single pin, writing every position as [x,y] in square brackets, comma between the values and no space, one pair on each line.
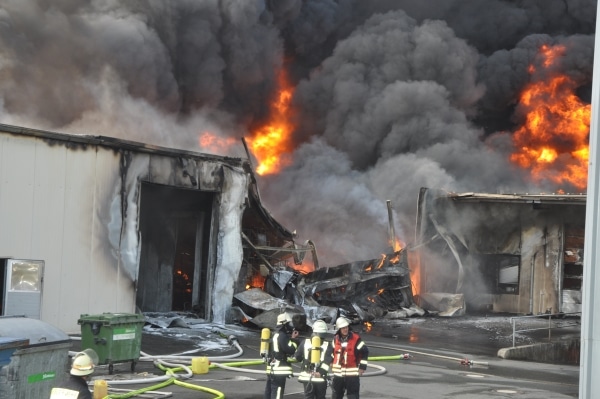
[133,362]
[110,368]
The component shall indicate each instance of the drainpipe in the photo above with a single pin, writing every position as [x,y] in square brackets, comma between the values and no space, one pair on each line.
[532,279]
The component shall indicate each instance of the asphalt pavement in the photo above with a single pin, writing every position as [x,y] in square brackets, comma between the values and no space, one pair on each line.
[424,359]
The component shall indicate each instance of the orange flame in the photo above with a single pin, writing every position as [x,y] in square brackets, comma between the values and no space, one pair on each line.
[553,142]
[381,261]
[397,245]
[271,144]
[415,271]
[306,267]
[368,326]
[214,144]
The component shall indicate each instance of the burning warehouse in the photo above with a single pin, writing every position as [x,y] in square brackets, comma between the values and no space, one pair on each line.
[380,98]
[135,227]
[126,226]
[505,253]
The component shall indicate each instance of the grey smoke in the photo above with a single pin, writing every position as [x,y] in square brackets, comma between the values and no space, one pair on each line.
[390,95]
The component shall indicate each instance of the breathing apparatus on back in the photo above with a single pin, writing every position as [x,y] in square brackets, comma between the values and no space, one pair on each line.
[265,337]
[319,330]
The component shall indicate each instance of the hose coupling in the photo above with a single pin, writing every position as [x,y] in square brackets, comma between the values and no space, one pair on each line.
[231,339]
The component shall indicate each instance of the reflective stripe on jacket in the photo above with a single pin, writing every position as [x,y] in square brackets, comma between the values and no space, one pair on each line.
[349,355]
[323,367]
[63,393]
[283,347]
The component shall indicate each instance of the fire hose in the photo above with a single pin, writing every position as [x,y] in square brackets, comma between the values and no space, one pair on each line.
[170,377]
[463,361]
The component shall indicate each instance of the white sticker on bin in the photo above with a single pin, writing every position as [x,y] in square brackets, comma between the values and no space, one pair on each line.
[120,334]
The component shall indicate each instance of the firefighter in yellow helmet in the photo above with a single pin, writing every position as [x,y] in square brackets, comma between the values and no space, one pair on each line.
[76,386]
[283,345]
[350,355]
[315,361]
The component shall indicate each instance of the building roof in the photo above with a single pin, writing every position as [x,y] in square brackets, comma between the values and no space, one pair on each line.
[116,143]
[554,199]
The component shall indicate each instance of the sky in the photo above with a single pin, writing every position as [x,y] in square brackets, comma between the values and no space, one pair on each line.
[388,96]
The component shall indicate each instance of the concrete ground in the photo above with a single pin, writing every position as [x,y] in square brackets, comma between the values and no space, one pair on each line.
[447,359]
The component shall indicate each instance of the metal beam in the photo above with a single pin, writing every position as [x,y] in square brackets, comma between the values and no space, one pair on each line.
[589,383]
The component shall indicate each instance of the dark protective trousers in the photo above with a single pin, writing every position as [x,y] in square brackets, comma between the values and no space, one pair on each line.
[348,385]
[315,390]
[275,386]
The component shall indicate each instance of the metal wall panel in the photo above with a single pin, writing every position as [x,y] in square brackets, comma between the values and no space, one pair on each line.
[54,206]
[16,201]
[48,222]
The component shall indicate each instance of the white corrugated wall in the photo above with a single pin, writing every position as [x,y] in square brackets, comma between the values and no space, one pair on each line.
[51,209]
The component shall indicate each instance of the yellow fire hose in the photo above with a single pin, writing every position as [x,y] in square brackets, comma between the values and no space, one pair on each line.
[173,380]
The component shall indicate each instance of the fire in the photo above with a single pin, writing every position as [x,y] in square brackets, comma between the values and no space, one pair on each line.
[306,267]
[212,143]
[415,271]
[553,141]
[382,261]
[397,244]
[368,326]
[271,144]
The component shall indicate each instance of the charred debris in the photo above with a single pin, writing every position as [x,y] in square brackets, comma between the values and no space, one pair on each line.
[279,274]
[362,291]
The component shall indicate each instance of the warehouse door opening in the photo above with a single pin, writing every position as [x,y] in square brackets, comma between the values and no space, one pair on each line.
[174,271]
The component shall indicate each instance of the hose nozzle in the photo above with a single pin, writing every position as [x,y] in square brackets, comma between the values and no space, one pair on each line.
[231,339]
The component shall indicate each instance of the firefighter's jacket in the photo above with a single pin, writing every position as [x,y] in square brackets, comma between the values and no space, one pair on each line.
[308,368]
[283,346]
[350,354]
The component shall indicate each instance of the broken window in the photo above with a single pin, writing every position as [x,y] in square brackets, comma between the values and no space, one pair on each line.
[573,257]
[508,270]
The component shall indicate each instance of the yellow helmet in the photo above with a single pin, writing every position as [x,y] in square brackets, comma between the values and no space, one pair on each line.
[82,364]
[341,322]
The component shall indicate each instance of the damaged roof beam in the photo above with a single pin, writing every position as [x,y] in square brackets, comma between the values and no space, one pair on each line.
[245,237]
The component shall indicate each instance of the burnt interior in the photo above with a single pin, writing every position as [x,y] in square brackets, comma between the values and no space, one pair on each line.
[261,230]
[175,226]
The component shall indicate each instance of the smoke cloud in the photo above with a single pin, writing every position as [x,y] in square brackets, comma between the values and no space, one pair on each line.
[390,96]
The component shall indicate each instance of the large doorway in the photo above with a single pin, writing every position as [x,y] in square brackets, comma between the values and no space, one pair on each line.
[175,261]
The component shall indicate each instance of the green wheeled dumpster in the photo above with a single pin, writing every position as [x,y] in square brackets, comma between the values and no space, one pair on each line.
[116,337]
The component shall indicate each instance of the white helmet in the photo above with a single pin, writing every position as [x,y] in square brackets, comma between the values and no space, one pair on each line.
[319,327]
[284,318]
[341,322]
[82,364]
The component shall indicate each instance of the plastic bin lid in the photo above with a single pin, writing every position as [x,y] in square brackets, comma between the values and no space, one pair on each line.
[112,318]
[36,331]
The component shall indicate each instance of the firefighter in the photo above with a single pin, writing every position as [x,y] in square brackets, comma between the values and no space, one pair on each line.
[283,345]
[76,386]
[315,361]
[350,355]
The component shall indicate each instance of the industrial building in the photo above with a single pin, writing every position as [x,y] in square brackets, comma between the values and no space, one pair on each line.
[516,253]
[93,224]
